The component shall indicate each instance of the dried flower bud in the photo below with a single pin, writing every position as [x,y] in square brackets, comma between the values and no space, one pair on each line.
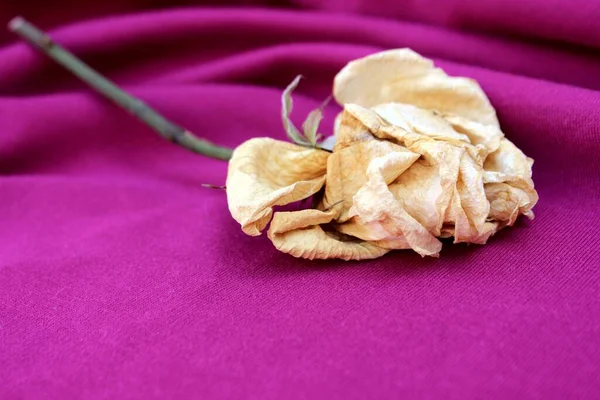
[418,156]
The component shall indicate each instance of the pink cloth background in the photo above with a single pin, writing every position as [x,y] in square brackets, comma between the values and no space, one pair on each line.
[121,277]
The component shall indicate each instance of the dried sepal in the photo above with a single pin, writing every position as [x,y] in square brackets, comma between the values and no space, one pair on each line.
[311,125]
[309,137]
[287,105]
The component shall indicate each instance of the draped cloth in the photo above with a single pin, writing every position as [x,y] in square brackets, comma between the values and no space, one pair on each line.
[122,277]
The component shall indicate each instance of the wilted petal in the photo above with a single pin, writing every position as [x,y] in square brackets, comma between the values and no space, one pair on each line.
[508,163]
[373,232]
[403,76]
[444,189]
[299,233]
[508,184]
[456,222]
[506,202]
[347,171]
[350,126]
[426,189]
[488,136]
[375,203]
[426,122]
[473,203]
[264,172]
[470,189]
[377,127]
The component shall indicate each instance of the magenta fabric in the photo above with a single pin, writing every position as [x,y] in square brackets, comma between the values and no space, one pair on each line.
[121,277]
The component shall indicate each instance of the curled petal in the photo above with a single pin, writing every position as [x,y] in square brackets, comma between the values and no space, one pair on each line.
[403,76]
[425,190]
[426,122]
[374,203]
[473,203]
[506,202]
[375,126]
[264,173]
[373,232]
[456,222]
[299,233]
[508,184]
[347,171]
[354,125]
[508,163]
[488,136]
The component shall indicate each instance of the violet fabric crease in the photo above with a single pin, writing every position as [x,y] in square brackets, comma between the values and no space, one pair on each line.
[121,277]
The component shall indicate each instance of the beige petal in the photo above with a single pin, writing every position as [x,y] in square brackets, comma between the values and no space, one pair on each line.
[508,184]
[299,233]
[426,122]
[374,203]
[347,171]
[507,202]
[409,136]
[508,163]
[444,189]
[379,128]
[264,172]
[466,217]
[488,136]
[403,76]
[425,190]
[456,222]
[473,203]
[351,129]
[374,232]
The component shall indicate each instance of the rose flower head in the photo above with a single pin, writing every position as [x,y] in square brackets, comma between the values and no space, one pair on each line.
[418,156]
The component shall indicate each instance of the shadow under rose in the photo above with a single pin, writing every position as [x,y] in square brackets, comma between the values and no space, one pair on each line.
[269,262]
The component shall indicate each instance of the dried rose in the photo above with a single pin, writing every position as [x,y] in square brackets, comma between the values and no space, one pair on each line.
[418,156]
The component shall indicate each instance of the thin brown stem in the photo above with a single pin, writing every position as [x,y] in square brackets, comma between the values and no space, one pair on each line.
[135,106]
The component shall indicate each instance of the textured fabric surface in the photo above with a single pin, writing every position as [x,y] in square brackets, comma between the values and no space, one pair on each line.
[122,277]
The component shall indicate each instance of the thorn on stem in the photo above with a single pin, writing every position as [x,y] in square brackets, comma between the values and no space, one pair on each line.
[211,186]
[47,41]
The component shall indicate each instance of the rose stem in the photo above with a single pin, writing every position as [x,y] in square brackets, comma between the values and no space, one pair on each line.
[135,106]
